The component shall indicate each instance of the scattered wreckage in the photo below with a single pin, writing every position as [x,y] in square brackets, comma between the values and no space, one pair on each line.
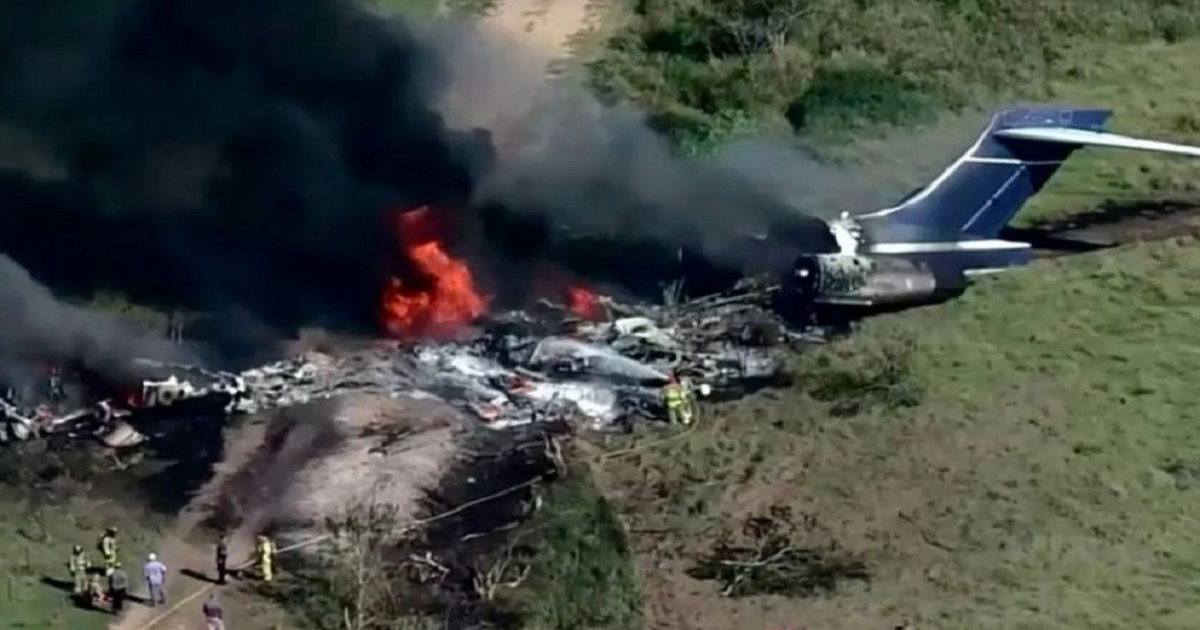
[109,419]
[520,367]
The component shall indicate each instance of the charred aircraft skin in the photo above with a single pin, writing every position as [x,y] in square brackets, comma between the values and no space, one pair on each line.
[606,370]
[123,415]
[851,280]
[926,248]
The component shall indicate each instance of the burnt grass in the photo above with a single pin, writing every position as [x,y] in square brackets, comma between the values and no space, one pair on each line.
[466,542]
[565,559]
[511,502]
[773,557]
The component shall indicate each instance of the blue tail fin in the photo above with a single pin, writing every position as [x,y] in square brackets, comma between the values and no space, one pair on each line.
[977,195]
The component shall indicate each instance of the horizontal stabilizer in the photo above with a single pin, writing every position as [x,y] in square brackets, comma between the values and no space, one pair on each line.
[1089,137]
[1011,160]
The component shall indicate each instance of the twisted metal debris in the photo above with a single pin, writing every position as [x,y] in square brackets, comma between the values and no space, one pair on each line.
[520,368]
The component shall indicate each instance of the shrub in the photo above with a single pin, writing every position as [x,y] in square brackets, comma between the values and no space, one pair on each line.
[832,64]
[854,377]
[846,99]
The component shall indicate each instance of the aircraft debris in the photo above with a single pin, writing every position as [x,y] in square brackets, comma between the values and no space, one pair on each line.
[520,368]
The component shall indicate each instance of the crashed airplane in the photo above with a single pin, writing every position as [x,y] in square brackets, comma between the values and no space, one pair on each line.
[926,247]
[604,371]
[607,367]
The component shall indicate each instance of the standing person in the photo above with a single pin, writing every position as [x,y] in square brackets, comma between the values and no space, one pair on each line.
[264,549]
[79,565]
[675,399]
[118,589]
[155,573]
[222,558]
[214,614]
[108,549]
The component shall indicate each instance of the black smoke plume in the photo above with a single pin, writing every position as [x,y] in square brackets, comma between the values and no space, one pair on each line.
[252,153]
[38,331]
[235,151]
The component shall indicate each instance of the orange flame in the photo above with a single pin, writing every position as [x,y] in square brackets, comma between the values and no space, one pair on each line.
[584,303]
[451,300]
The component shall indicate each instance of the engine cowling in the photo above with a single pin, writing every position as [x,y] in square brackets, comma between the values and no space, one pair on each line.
[854,279]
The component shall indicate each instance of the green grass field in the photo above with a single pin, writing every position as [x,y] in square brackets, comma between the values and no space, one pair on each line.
[1153,90]
[47,508]
[1025,457]
[1048,477]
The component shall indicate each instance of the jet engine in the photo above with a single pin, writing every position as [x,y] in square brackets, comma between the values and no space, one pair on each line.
[870,281]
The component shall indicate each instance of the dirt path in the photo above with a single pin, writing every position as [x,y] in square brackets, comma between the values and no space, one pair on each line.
[545,26]
[298,465]
[1118,224]
[188,559]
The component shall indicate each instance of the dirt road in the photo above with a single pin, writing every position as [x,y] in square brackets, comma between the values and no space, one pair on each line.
[543,26]
[298,465]
[189,559]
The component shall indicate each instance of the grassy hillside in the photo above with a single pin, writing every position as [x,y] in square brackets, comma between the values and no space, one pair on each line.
[1152,88]
[50,503]
[1026,457]
[824,65]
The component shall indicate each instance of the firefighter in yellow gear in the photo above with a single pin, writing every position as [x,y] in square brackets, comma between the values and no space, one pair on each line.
[264,551]
[108,550]
[677,399]
[79,565]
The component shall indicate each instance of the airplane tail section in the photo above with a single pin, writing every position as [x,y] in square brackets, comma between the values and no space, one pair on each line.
[971,201]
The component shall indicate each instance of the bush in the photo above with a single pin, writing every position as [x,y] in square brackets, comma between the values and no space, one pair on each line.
[854,377]
[835,64]
[848,99]
[775,555]
[582,575]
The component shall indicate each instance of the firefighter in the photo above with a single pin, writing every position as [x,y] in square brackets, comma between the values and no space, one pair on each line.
[676,398]
[79,565]
[264,551]
[108,550]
